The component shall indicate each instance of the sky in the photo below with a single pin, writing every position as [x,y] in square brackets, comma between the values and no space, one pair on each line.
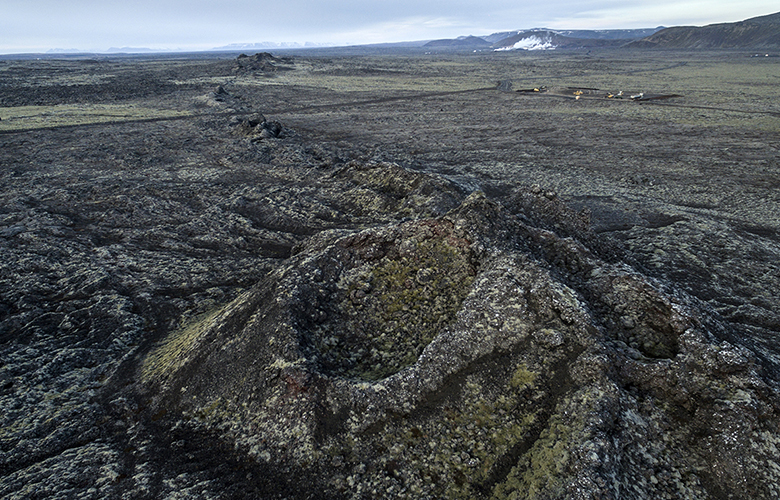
[98,25]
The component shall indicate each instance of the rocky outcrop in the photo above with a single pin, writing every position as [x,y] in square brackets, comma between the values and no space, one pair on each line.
[473,355]
[262,61]
[257,126]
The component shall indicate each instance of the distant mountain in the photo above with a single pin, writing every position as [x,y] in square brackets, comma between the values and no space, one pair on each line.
[581,34]
[130,50]
[64,51]
[546,39]
[270,45]
[528,40]
[760,33]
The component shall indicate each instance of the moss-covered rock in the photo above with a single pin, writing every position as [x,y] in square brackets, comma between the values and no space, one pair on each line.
[473,355]
[405,287]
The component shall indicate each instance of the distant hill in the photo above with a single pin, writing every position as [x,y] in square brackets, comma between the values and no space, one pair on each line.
[130,50]
[233,47]
[759,33]
[462,42]
[609,34]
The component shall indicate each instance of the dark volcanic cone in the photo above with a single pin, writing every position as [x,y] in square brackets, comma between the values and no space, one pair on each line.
[469,355]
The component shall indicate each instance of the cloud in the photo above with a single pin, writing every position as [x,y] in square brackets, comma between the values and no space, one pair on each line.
[661,13]
[202,24]
[404,29]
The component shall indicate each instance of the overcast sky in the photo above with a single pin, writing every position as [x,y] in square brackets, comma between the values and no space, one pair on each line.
[97,25]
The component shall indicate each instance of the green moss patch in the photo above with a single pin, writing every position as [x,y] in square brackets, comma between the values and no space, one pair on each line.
[522,378]
[35,117]
[174,351]
[388,312]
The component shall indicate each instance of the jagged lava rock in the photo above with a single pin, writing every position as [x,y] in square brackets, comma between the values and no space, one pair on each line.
[473,355]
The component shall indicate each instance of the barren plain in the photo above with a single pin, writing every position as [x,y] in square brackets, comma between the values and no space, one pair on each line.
[299,276]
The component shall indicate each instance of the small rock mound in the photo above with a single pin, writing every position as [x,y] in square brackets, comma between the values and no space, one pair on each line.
[544,209]
[504,86]
[256,126]
[220,94]
[262,61]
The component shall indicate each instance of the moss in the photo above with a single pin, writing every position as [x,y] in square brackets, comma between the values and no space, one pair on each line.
[522,377]
[172,353]
[455,454]
[538,475]
[389,313]
[33,117]
[541,471]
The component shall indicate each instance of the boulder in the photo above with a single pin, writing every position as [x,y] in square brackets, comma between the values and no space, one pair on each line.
[256,125]
[504,86]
